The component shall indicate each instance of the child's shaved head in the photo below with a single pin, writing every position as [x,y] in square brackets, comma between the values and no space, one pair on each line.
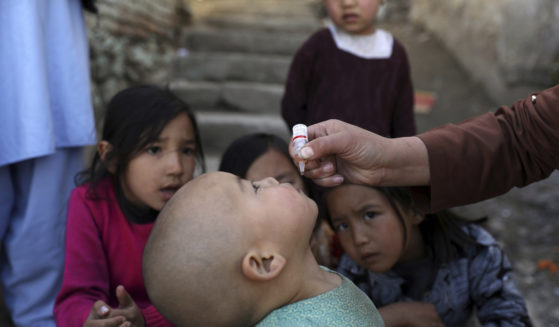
[216,253]
[185,246]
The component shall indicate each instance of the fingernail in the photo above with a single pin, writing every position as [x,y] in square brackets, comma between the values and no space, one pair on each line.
[306,153]
[338,179]
[104,310]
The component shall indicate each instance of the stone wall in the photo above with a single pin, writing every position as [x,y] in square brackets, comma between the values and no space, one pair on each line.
[510,46]
[132,42]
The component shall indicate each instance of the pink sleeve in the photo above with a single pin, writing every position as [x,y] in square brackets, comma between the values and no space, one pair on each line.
[85,269]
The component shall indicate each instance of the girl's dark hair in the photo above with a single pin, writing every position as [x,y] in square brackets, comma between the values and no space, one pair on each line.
[134,118]
[441,231]
[240,154]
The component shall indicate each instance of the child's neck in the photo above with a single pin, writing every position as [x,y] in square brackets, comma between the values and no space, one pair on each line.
[315,280]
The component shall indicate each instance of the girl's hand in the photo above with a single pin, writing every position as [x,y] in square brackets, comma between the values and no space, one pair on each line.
[416,314]
[100,316]
[128,313]
[128,308]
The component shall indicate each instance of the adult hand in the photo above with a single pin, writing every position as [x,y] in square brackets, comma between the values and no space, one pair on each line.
[416,314]
[339,152]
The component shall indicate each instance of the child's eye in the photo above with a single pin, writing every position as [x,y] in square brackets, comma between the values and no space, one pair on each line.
[341,227]
[153,149]
[255,187]
[188,151]
[369,215]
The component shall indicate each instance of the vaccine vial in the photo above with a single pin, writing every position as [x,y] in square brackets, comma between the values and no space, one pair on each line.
[299,139]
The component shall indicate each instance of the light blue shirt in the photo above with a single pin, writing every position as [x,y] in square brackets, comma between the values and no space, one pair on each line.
[45,97]
[346,305]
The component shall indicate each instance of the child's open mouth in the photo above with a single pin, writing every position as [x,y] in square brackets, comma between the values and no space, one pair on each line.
[168,192]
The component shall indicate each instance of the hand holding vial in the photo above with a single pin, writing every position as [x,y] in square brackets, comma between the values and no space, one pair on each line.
[299,138]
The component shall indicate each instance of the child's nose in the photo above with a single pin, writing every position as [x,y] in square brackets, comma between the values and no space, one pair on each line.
[174,163]
[359,236]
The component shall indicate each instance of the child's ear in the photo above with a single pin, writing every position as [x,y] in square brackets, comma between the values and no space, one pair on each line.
[417,217]
[104,148]
[262,267]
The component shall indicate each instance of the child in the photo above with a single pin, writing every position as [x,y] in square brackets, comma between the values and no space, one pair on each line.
[149,148]
[260,155]
[415,267]
[353,72]
[230,252]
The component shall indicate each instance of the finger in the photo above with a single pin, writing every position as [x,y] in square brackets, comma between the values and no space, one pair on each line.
[321,147]
[113,321]
[330,181]
[124,299]
[321,169]
[126,324]
[100,310]
[324,128]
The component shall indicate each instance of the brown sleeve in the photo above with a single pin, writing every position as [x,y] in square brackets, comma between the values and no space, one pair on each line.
[488,155]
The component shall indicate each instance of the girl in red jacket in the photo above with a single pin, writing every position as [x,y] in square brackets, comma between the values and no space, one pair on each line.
[150,147]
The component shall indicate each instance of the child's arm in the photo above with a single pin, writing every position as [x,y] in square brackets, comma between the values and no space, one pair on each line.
[417,314]
[494,292]
[85,269]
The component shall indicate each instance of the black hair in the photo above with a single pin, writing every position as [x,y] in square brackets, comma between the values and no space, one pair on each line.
[134,118]
[441,231]
[240,154]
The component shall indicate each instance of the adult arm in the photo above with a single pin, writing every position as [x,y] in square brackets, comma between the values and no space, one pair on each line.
[480,158]
[488,155]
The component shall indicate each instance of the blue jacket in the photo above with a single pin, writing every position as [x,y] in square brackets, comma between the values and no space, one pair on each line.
[479,283]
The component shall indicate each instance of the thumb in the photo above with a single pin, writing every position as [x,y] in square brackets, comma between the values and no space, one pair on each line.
[124,299]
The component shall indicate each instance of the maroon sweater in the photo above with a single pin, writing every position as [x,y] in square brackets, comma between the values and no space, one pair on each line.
[325,82]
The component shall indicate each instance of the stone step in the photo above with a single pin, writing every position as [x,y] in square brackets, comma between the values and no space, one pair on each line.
[246,22]
[235,96]
[206,39]
[262,7]
[219,129]
[222,66]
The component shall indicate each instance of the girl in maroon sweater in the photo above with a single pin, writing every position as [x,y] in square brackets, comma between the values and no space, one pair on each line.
[149,149]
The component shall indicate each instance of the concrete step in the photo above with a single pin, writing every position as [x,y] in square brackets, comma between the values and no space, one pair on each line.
[219,129]
[206,39]
[222,66]
[235,96]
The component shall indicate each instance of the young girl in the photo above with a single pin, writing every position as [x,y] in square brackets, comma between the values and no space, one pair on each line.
[257,156]
[149,148]
[351,71]
[421,269]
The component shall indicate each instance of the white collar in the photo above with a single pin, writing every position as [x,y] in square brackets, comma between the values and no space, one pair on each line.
[373,46]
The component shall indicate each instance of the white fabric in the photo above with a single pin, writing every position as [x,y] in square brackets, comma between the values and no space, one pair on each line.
[373,46]
[45,98]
